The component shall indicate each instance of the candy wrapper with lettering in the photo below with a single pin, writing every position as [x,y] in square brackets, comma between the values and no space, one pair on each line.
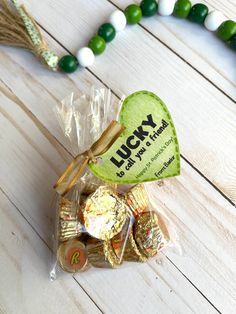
[106,213]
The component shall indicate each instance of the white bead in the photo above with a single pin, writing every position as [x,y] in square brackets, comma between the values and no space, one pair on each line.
[118,20]
[85,57]
[213,20]
[166,7]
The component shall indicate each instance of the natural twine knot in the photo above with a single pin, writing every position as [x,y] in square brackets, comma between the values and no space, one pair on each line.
[19,29]
[40,49]
[91,157]
[76,168]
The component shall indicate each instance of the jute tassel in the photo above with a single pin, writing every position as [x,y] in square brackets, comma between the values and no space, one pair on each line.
[18,28]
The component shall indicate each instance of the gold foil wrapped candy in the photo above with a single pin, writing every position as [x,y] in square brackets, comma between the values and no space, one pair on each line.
[67,210]
[68,226]
[101,254]
[72,256]
[150,233]
[137,199]
[104,213]
[118,242]
[124,245]
[111,229]
[132,252]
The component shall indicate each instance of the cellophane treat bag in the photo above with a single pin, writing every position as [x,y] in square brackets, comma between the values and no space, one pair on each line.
[102,222]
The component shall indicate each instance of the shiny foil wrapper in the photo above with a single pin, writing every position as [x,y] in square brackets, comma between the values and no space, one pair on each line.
[137,199]
[104,213]
[72,256]
[132,252]
[69,230]
[101,254]
[150,233]
[118,242]
[67,210]
[68,226]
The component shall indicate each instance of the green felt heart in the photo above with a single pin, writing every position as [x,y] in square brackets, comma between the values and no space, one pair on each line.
[148,148]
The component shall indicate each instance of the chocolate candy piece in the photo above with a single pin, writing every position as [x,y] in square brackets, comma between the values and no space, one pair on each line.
[137,199]
[132,252]
[104,213]
[150,233]
[118,242]
[72,256]
[101,254]
[67,210]
[69,230]
[68,225]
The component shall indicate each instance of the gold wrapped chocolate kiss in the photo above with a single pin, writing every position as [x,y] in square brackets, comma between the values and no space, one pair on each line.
[78,165]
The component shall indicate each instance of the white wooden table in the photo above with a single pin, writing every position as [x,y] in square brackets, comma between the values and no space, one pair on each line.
[194,73]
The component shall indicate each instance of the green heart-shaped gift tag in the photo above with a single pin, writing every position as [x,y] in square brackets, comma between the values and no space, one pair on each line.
[147,150]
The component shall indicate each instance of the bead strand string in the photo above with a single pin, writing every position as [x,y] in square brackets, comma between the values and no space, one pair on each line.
[199,13]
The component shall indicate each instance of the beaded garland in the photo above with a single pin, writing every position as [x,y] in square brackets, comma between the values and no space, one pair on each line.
[198,13]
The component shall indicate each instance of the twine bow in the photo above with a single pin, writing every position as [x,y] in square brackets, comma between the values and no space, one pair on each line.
[19,29]
[76,168]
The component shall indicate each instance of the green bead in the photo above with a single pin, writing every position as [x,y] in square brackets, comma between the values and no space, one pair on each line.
[232,43]
[133,14]
[226,30]
[148,7]
[68,64]
[182,8]
[107,32]
[97,44]
[198,13]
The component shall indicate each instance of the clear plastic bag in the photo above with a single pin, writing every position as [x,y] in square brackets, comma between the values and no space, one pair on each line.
[99,224]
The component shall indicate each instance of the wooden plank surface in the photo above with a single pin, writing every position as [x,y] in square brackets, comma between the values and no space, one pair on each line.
[213,60]
[203,105]
[199,89]
[40,216]
[24,260]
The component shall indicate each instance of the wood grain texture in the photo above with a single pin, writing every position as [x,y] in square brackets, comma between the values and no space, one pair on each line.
[35,207]
[197,46]
[34,152]
[205,223]
[24,261]
[197,107]
[37,154]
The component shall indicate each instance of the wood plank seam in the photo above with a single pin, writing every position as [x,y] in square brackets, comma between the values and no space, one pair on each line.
[194,285]
[23,216]
[90,71]
[113,92]
[94,74]
[78,277]
[182,156]
[99,308]
[46,133]
[199,291]
[178,55]
[50,249]
[95,303]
